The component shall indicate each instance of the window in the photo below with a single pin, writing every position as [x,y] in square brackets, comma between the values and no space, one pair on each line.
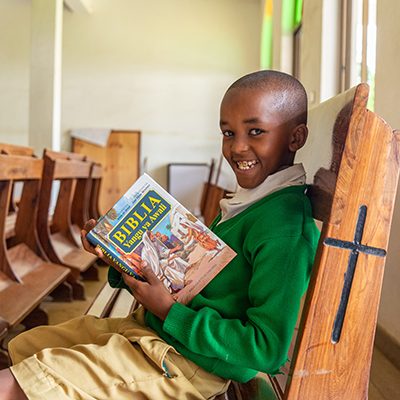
[358,55]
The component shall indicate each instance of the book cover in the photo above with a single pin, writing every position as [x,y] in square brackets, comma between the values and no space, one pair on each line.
[148,225]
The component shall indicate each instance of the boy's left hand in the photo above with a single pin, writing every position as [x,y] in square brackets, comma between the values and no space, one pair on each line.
[152,294]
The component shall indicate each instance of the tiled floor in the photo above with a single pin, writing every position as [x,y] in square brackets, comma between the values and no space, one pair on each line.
[60,312]
[384,381]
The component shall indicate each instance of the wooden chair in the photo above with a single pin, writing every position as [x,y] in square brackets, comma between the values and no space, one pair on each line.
[353,195]
[56,236]
[96,177]
[212,194]
[26,275]
[78,190]
[86,204]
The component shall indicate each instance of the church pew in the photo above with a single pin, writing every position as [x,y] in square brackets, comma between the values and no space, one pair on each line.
[56,237]
[16,150]
[26,275]
[85,204]
[96,178]
[211,195]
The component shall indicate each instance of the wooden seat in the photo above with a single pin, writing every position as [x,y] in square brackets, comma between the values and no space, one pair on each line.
[96,176]
[111,302]
[57,235]
[211,195]
[26,275]
[353,194]
[85,204]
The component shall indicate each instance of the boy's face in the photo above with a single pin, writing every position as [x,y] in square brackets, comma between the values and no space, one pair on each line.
[257,139]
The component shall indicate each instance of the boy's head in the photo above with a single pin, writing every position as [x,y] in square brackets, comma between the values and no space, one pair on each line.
[263,120]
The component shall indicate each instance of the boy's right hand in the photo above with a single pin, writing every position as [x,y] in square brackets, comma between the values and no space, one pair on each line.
[89,225]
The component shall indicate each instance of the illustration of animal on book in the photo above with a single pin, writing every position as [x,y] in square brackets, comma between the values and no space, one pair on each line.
[148,226]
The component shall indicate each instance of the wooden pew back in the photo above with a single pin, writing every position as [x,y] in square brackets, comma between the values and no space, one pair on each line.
[26,276]
[354,196]
[94,195]
[352,156]
[58,237]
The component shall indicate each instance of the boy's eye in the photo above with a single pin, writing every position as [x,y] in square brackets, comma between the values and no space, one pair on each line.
[227,133]
[255,132]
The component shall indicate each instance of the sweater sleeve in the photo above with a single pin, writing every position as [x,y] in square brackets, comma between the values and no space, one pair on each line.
[115,279]
[280,275]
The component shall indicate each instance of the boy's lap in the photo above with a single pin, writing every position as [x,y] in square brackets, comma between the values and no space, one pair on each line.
[92,358]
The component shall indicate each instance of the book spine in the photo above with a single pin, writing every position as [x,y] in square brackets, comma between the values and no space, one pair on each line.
[112,255]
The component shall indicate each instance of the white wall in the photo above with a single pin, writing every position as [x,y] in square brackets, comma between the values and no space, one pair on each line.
[387,89]
[319,57]
[14,70]
[161,68]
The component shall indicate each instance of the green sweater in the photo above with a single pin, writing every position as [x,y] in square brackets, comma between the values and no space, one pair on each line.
[243,321]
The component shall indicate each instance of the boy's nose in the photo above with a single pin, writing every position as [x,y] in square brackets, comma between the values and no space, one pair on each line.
[239,145]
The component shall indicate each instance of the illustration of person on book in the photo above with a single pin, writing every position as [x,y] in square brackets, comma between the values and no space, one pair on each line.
[205,240]
[170,270]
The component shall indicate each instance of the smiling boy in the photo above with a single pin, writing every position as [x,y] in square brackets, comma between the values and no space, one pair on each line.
[243,321]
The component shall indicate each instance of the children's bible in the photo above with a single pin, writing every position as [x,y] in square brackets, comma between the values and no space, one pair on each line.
[147,226]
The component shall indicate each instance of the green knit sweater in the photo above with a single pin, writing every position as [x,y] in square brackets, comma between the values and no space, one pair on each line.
[243,321]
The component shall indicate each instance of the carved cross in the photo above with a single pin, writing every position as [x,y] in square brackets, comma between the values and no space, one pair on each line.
[355,247]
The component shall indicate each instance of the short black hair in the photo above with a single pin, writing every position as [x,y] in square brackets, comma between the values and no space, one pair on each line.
[291,97]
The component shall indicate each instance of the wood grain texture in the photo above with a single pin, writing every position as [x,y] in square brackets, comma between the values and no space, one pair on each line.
[20,168]
[58,237]
[368,176]
[26,276]
[120,160]
[11,149]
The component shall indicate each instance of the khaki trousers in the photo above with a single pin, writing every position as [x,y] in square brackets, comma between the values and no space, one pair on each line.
[110,358]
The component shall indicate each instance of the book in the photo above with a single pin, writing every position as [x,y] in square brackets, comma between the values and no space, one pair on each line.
[147,226]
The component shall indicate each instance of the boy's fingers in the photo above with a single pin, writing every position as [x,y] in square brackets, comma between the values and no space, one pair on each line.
[132,282]
[89,225]
[149,275]
[98,251]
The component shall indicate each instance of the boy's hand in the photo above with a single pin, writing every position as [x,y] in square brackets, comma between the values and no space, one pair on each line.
[89,225]
[152,294]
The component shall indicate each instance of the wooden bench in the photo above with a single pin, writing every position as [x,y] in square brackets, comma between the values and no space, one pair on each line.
[15,150]
[96,176]
[57,235]
[211,195]
[85,204]
[26,275]
[111,302]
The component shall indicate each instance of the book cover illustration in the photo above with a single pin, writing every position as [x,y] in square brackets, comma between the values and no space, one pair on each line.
[147,225]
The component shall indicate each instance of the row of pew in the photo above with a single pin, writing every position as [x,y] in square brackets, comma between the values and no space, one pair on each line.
[44,203]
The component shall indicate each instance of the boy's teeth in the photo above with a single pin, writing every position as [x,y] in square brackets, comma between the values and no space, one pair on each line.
[244,165]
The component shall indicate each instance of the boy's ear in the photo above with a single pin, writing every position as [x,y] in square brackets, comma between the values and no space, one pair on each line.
[299,137]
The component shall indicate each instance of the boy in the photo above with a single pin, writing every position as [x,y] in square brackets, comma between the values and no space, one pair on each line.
[243,321]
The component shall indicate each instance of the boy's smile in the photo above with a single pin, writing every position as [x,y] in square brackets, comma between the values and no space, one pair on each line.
[258,139]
